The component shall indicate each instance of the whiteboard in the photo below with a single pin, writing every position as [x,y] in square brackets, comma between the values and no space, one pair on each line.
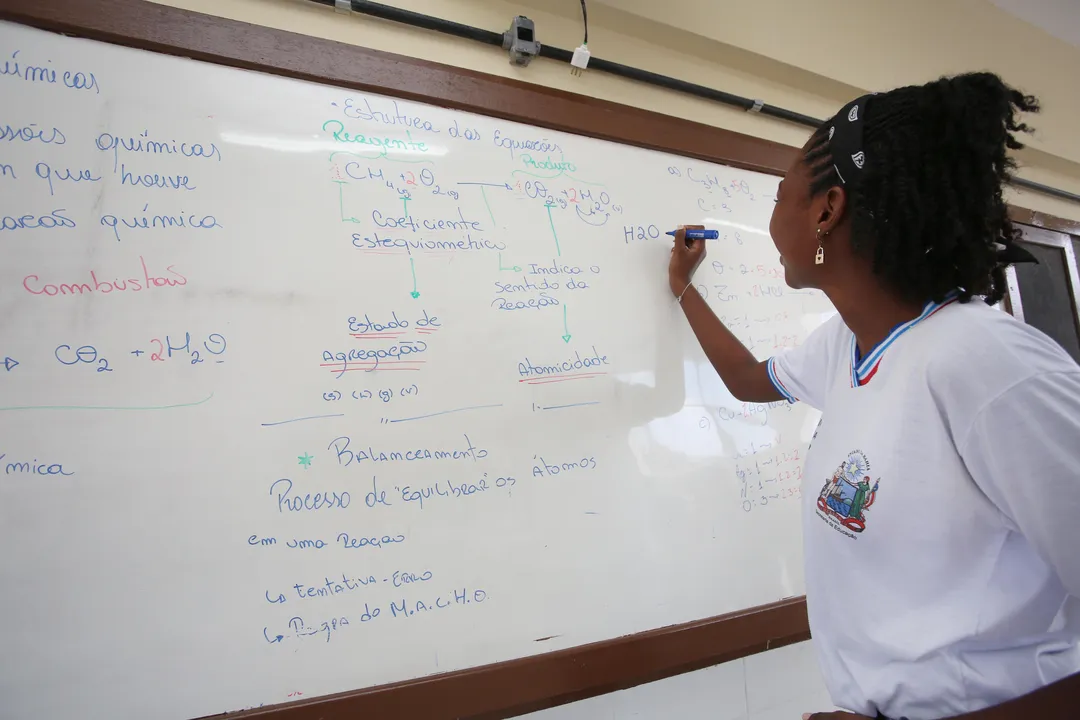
[307,390]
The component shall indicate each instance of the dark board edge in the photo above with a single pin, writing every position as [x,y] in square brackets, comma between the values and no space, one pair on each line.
[159,28]
[534,683]
[1044,220]
[163,29]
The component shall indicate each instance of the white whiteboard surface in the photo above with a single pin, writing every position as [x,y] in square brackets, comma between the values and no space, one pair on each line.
[255,497]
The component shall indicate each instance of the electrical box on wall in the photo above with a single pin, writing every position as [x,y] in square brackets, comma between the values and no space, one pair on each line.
[520,41]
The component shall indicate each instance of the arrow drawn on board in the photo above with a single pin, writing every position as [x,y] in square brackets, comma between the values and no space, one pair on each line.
[341,202]
[558,250]
[10,363]
[412,266]
[566,328]
[483,194]
[515,268]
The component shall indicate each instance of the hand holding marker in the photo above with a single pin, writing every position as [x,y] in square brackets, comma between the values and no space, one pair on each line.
[696,234]
[686,256]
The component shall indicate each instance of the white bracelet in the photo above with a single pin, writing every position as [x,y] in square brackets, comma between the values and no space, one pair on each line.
[688,285]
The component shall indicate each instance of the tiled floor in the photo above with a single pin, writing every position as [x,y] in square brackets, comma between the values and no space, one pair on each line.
[777,685]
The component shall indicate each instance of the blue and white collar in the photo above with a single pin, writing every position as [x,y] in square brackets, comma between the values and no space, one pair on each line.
[862,370]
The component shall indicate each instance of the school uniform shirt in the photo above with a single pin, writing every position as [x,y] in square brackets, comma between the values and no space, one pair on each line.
[941,511]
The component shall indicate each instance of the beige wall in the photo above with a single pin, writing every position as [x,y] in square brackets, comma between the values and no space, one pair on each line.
[809,57]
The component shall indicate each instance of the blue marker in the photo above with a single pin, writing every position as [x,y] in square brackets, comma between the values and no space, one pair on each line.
[698,234]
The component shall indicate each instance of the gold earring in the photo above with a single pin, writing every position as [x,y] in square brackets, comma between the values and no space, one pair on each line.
[819,256]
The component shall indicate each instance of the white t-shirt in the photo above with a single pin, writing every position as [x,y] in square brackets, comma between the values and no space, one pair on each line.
[942,511]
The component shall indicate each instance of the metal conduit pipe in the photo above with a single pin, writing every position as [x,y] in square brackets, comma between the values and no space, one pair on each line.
[428,22]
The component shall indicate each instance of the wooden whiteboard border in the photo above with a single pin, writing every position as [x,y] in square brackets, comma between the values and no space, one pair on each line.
[148,26]
[541,681]
[532,683]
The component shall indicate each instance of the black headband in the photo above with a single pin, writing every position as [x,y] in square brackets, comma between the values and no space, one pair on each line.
[846,142]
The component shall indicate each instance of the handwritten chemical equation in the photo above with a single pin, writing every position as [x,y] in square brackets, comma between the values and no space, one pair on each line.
[636,233]
[760,500]
[408,185]
[761,271]
[200,350]
[710,182]
[766,477]
[592,206]
[755,413]
[195,351]
[383,394]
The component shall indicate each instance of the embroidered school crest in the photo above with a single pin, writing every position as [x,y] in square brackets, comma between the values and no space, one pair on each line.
[848,494]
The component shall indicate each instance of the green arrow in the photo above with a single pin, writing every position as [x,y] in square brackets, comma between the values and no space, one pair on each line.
[341,202]
[412,266]
[558,250]
[488,206]
[515,268]
[566,328]
[405,205]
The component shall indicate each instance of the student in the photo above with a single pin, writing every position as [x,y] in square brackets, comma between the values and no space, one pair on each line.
[941,516]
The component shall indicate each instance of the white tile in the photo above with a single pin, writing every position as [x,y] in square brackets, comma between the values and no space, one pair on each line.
[715,693]
[777,685]
[788,674]
[601,707]
[792,709]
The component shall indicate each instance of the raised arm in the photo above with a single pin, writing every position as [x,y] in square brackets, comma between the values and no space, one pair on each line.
[745,377]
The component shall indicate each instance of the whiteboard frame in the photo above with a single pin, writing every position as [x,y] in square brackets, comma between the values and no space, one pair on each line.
[541,681]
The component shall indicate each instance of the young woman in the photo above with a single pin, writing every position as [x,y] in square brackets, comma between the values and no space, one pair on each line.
[942,511]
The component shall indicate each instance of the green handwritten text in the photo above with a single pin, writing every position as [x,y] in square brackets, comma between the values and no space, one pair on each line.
[381,144]
[547,163]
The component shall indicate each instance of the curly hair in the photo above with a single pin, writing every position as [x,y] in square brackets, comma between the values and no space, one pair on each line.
[928,211]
